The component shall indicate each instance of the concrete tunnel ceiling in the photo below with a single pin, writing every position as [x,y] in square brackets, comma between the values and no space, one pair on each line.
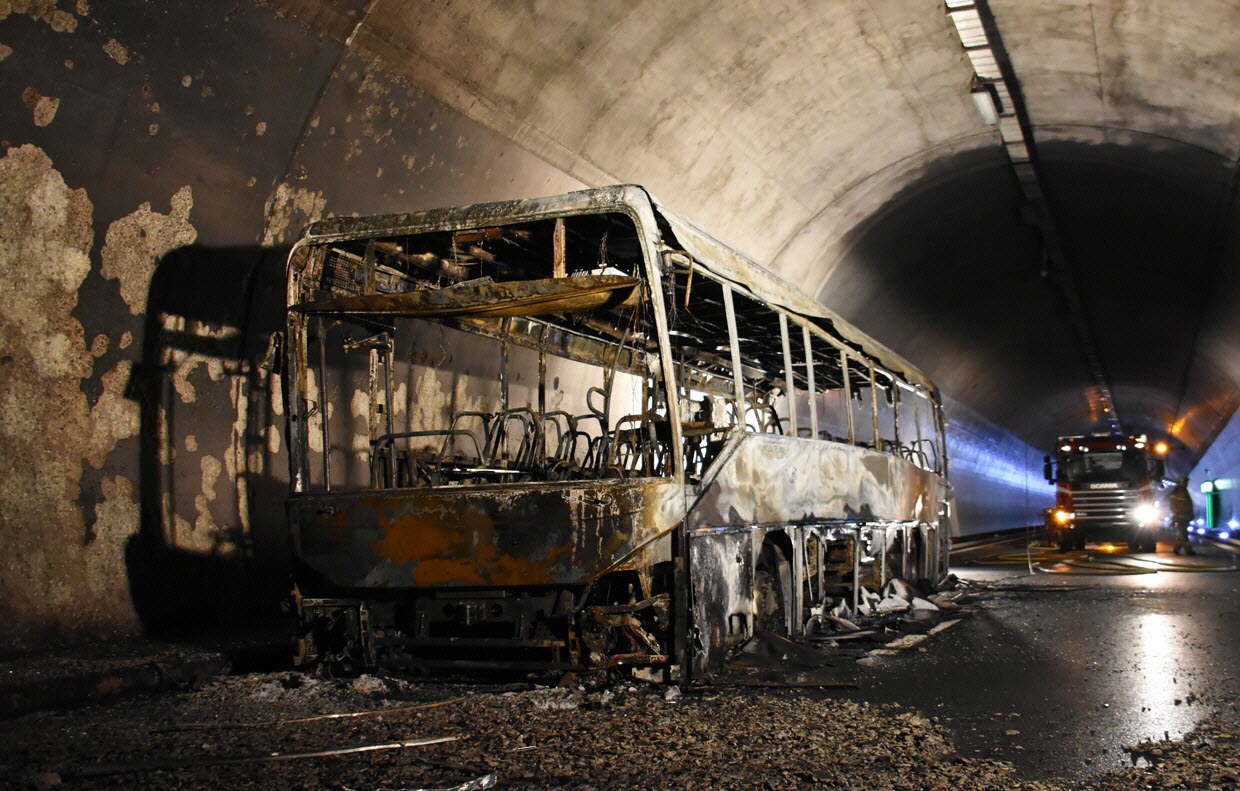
[838,144]
[158,161]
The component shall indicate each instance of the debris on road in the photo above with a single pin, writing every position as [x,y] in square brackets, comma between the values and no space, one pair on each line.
[841,637]
[620,736]
[156,766]
[769,660]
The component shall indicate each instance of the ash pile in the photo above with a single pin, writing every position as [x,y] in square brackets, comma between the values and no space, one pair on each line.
[265,732]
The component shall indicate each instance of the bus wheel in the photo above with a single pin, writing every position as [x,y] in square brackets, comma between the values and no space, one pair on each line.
[770,602]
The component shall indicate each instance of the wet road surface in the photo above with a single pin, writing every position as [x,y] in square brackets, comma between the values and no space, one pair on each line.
[1057,674]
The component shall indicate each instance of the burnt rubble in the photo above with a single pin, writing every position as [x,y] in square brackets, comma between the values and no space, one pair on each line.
[292,730]
[840,637]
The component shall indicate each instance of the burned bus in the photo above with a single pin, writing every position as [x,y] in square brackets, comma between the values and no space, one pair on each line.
[576,433]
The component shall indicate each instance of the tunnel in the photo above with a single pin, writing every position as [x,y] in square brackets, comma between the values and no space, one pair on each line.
[1034,203]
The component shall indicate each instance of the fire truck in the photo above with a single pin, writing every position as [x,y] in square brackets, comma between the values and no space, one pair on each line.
[1105,491]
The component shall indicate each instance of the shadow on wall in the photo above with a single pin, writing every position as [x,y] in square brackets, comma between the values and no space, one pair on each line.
[211,549]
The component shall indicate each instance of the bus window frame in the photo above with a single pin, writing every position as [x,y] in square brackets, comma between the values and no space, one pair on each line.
[307,257]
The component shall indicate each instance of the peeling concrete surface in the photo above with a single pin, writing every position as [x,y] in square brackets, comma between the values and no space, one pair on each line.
[288,210]
[42,107]
[134,245]
[211,469]
[118,513]
[183,363]
[64,569]
[117,51]
[54,579]
[114,416]
[115,425]
[58,19]
[207,507]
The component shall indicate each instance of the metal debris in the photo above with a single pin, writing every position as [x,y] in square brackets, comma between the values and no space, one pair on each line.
[192,726]
[480,784]
[154,766]
[768,660]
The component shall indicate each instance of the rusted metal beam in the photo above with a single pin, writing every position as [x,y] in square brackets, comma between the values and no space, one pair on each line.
[559,267]
[523,298]
[107,770]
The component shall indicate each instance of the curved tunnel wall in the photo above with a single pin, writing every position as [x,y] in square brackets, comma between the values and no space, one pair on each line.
[1221,467]
[154,169]
[156,165]
[996,477]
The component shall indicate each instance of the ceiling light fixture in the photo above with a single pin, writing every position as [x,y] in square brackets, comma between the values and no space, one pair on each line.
[987,102]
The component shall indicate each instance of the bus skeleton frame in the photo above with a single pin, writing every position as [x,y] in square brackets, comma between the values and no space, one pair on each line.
[527,537]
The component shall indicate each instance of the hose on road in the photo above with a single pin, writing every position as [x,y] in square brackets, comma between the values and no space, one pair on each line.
[1048,560]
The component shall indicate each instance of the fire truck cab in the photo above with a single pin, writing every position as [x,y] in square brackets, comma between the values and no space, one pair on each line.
[1105,490]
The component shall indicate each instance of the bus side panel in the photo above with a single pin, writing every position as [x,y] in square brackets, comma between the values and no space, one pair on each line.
[479,537]
[773,479]
[764,488]
[722,594]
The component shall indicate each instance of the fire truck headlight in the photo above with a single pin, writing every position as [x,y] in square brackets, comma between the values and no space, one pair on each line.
[1063,517]
[1145,514]
[1224,535]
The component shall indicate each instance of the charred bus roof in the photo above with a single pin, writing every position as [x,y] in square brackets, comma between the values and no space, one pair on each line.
[663,229]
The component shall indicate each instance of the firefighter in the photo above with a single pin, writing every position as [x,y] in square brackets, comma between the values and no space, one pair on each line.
[1181,506]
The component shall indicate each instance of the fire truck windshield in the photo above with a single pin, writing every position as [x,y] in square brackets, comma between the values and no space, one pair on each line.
[1096,466]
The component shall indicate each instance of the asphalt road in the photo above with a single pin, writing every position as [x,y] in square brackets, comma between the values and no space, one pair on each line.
[1061,671]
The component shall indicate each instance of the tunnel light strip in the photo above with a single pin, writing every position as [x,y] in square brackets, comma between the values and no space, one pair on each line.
[997,107]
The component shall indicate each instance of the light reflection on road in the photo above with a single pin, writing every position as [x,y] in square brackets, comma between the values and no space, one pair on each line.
[1090,656]
[1164,692]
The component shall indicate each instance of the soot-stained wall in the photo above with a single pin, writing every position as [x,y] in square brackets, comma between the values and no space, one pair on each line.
[155,164]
